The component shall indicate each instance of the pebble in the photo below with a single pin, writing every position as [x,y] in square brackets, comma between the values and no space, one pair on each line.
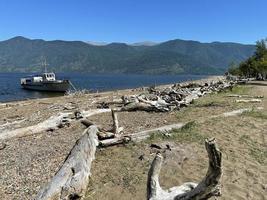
[2,146]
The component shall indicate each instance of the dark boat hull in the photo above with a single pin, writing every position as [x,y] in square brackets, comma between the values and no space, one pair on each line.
[51,86]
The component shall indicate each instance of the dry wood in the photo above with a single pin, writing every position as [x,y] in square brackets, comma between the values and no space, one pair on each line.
[189,99]
[137,106]
[104,135]
[139,135]
[115,122]
[92,112]
[71,180]
[245,96]
[86,122]
[208,187]
[8,124]
[248,100]
[114,141]
[170,98]
[53,122]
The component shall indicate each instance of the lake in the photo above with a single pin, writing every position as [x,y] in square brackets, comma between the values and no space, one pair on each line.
[10,89]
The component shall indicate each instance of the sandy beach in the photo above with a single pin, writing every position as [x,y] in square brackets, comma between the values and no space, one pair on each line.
[29,162]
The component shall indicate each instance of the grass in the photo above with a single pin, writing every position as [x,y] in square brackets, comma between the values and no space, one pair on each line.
[184,113]
[240,89]
[257,151]
[255,114]
[210,103]
[188,127]
[215,101]
[187,134]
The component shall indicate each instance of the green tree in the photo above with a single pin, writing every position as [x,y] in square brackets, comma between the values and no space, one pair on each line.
[254,66]
[234,69]
[261,50]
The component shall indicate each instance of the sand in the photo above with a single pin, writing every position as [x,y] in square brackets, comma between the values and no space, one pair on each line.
[27,163]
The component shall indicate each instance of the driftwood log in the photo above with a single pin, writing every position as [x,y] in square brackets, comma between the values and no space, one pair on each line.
[71,180]
[171,98]
[51,123]
[244,96]
[208,187]
[248,101]
[141,106]
[139,135]
[116,129]
[54,122]
[104,134]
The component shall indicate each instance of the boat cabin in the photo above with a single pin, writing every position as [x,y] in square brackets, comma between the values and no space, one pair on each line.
[49,76]
[39,78]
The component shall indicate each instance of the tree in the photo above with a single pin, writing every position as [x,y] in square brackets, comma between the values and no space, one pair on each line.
[261,50]
[234,69]
[256,65]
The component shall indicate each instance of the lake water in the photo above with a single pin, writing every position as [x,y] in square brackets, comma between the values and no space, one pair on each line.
[11,90]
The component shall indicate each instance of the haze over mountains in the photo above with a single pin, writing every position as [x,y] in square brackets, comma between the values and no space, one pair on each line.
[20,54]
[144,43]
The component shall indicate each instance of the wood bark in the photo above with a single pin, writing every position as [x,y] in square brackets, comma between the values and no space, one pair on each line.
[139,135]
[170,98]
[245,96]
[115,122]
[86,122]
[71,180]
[248,101]
[139,106]
[208,187]
[53,122]
[89,113]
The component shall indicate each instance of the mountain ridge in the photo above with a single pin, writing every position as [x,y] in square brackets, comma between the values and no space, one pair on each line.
[20,54]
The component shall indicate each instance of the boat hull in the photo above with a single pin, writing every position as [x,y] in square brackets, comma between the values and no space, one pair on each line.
[51,86]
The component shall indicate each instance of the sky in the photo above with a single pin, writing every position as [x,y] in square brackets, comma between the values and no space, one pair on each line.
[243,21]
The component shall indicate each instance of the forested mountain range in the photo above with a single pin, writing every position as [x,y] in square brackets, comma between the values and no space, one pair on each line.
[20,54]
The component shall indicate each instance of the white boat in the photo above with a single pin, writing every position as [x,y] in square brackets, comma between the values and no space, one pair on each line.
[45,82]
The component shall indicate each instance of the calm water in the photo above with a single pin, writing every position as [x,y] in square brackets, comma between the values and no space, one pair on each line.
[10,89]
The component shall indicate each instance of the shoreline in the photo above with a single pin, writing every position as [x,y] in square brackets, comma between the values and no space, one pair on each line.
[87,92]
[31,160]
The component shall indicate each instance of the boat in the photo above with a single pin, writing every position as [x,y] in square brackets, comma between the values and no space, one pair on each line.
[45,82]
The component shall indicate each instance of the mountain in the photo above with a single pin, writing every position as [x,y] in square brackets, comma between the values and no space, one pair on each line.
[21,54]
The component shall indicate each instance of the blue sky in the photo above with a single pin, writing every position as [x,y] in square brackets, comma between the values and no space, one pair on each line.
[130,21]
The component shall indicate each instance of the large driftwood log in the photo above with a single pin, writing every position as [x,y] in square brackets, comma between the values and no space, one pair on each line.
[53,122]
[139,135]
[208,187]
[8,124]
[71,180]
[141,107]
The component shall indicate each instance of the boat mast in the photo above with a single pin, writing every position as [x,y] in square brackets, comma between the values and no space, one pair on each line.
[45,65]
